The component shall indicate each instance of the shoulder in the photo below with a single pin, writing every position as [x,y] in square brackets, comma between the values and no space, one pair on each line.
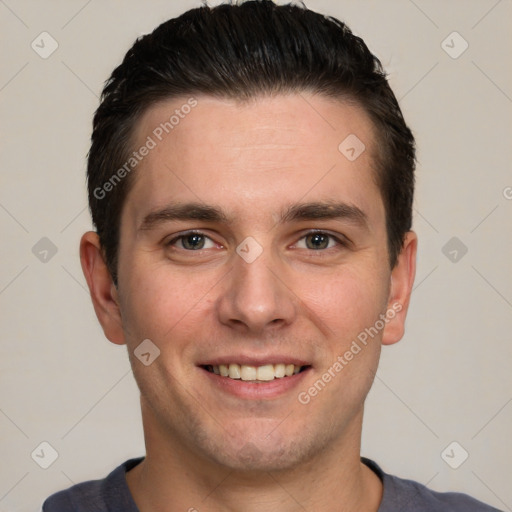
[97,495]
[408,495]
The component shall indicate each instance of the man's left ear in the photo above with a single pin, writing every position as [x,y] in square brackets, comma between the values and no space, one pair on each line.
[402,279]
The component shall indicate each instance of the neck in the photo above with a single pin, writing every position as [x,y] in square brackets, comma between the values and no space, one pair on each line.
[173,477]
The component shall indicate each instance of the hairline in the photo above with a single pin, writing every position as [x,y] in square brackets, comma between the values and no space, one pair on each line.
[377,156]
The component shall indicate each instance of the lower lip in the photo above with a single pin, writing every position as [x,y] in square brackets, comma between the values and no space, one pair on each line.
[257,390]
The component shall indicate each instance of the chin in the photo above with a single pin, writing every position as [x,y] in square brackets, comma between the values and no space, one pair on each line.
[261,453]
[252,459]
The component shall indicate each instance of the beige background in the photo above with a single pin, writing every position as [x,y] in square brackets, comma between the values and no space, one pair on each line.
[448,380]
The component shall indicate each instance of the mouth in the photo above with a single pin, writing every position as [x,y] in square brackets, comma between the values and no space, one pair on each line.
[255,374]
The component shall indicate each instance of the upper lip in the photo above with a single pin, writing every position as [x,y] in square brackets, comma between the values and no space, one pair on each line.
[249,360]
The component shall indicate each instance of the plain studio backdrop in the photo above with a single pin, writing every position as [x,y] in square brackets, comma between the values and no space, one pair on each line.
[440,410]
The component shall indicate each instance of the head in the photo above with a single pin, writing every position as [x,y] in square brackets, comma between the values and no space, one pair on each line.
[231,121]
[242,52]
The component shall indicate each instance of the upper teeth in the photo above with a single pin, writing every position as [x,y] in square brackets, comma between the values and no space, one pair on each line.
[265,372]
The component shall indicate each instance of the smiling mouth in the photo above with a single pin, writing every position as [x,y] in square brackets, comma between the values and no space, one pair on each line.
[249,373]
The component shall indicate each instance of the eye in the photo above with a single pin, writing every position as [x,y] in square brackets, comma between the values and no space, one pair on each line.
[192,241]
[318,240]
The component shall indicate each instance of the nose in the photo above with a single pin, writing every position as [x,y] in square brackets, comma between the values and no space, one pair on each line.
[255,296]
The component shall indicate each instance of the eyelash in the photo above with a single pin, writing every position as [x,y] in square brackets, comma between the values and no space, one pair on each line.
[339,242]
[185,235]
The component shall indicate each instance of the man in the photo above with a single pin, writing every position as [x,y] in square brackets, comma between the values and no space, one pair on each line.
[251,182]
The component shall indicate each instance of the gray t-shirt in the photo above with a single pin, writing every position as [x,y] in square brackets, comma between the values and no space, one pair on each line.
[112,495]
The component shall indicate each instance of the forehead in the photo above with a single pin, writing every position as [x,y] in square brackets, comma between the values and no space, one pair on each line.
[254,156]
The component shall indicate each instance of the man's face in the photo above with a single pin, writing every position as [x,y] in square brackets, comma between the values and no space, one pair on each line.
[285,263]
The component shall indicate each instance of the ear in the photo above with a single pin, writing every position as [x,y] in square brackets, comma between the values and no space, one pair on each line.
[103,291]
[402,279]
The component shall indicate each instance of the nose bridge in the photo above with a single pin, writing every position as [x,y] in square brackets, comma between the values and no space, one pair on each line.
[255,294]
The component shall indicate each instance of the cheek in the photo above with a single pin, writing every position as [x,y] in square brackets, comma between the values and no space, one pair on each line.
[347,302]
[160,305]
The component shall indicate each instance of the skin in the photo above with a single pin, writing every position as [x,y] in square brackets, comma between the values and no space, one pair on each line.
[208,449]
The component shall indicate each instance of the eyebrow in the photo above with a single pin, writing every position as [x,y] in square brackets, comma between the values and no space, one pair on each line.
[183,211]
[324,211]
[293,213]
